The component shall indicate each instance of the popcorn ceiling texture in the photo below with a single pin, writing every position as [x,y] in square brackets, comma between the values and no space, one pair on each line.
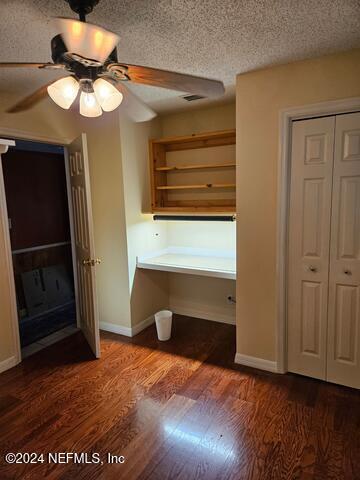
[211,38]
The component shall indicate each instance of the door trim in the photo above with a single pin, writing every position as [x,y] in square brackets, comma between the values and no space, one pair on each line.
[72,233]
[19,135]
[4,222]
[26,135]
[286,116]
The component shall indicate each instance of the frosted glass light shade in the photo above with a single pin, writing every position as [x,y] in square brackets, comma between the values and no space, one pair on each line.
[89,106]
[64,91]
[108,96]
[86,39]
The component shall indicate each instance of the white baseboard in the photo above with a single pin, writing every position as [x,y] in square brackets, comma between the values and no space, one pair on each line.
[188,312]
[256,362]
[127,331]
[204,314]
[8,363]
[113,328]
[139,327]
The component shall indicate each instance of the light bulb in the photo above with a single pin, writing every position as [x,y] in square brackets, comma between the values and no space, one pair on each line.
[64,91]
[89,106]
[108,96]
[87,40]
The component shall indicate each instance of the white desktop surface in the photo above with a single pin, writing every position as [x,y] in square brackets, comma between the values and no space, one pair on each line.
[193,261]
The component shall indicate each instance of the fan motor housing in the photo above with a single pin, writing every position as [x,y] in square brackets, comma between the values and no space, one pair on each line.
[81,67]
[58,49]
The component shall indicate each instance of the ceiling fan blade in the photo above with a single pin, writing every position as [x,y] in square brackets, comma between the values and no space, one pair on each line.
[86,39]
[29,101]
[171,80]
[133,107]
[31,65]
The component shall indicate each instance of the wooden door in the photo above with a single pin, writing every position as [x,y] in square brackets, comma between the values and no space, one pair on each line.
[309,236]
[84,241]
[344,280]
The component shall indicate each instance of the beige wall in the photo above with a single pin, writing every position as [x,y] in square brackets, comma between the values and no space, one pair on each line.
[221,117]
[148,289]
[108,202]
[219,235]
[46,119]
[260,95]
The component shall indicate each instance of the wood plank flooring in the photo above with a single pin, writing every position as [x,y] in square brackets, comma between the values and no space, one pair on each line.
[175,410]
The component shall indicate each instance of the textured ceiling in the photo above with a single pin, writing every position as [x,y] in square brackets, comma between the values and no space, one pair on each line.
[212,38]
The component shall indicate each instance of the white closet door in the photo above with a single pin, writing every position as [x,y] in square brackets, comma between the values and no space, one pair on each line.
[309,236]
[344,281]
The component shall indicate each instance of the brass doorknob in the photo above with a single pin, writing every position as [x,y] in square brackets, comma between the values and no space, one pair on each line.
[91,262]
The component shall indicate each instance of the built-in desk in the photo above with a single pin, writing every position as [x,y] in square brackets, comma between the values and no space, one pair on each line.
[193,261]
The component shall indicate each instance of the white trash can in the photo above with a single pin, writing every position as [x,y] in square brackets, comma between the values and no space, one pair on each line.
[163,320]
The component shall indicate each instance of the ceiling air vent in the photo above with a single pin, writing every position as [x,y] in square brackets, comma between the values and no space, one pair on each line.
[192,98]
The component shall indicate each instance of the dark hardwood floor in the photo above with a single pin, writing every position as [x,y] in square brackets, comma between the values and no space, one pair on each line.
[176,410]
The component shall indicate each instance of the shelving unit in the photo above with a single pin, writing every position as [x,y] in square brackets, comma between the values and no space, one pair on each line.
[195,173]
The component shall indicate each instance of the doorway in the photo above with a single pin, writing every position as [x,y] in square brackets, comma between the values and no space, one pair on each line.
[40,236]
[78,190]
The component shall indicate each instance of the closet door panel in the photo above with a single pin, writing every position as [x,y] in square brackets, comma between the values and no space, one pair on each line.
[348,244]
[343,364]
[347,307]
[311,303]
[309,235]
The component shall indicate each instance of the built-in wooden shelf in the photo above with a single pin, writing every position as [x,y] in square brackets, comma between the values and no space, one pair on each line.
[192,187]
[205,179]
[195,167]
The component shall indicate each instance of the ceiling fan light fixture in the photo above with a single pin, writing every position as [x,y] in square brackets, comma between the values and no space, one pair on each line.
[107,95]
[88,53]
[89,106]
[87,40]
[64,91]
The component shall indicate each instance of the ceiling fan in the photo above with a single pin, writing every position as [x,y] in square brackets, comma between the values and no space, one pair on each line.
[88,54]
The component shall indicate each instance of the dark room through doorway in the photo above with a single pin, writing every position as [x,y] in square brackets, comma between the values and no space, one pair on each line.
[37,202]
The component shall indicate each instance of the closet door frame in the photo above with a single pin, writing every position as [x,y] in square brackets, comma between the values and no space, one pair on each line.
[286,117]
